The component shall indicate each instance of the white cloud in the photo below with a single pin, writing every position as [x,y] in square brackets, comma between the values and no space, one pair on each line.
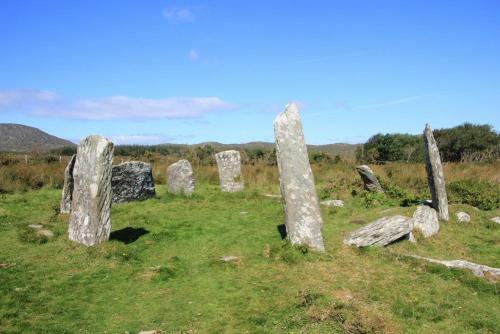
[44,103]
[193,55]
[390,103]
[176,14]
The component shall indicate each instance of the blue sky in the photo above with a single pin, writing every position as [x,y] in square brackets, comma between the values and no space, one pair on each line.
[194,71]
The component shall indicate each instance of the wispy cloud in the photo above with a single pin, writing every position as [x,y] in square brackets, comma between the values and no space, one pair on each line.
[178,14]
[193,55]
[140,139]
[390,103]
[43,103]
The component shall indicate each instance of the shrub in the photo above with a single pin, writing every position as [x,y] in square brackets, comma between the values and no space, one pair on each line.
[481,194]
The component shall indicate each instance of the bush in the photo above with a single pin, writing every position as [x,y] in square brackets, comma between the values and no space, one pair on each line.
[481,194]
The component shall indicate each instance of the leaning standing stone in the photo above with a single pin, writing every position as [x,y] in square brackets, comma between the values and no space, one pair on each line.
[132,181]
[90,219]
[180,178]
[302,212]
[435,175]
[229,166]
[67,192]
[370,181]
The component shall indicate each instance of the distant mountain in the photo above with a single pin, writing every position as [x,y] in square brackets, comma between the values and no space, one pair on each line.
[22,138]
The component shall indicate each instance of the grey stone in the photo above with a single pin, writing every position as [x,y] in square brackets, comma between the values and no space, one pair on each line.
[67,192]
[272,196]
[180,178]
[463,217]
[45,233]
[435,175]
[229,166]
[229,258]
[332,203]
[370,181]
[381,232]
[426,220]
[90,218]
[132,181]
[303,219]
[495,220]
[35,226]
[478,270]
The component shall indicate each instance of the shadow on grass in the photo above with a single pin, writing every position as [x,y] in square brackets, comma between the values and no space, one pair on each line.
[282,230]
[128,235]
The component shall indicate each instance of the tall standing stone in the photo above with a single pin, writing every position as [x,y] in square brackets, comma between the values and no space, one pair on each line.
[435,175]
[132,181]
[303,219]
[67,192]
[90,219]
[370,181]
[180,178]
[229,166]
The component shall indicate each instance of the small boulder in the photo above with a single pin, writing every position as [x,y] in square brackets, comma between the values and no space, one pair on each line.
[333,203]
[381,232]
[35,226]
[463,217]
[426,220]
[229,258]
[495,220]
[45,233]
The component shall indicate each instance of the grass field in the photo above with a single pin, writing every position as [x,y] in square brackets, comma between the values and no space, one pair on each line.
[161,270]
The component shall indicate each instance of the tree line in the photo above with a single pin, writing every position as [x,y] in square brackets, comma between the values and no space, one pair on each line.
[463,143]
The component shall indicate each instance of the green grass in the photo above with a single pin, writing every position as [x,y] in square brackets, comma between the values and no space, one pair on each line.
[170,277]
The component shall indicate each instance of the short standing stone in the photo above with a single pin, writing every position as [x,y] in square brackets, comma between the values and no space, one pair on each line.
[381,232]
[229,166]
[67,192]
[435,175]
[132,181]
[426,220]
[303,219]
[370,181]
[90,218]
[180,178]
[463,217]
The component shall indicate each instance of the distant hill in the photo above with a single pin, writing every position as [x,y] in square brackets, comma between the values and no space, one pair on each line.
[342,149]
[22,138]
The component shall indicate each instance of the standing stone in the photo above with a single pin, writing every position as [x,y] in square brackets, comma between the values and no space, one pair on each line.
[90,219]
[132,181]
[67,192]
[180,178]
[435,175]
[370,181]
[229,166]
[303,219]
[426,220]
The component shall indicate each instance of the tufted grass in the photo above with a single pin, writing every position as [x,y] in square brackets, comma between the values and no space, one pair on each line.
[161,270]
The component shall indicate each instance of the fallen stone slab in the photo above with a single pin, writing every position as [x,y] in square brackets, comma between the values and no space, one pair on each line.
[333,203]
[478,270]
[426,220]
[381,232]
[229,258]
[35,226]
[272,196]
